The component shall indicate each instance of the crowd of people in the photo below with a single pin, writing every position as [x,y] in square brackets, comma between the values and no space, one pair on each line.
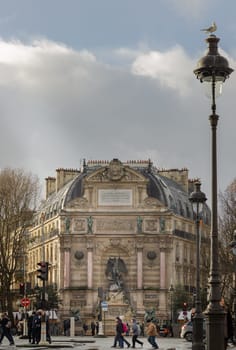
[122,329]
[34,324]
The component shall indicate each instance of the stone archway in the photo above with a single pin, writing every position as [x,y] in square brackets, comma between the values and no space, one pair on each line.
[114,264]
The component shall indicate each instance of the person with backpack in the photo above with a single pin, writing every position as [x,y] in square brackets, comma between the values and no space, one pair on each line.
[125,331]
[121,329]
[118,337]
[135,333]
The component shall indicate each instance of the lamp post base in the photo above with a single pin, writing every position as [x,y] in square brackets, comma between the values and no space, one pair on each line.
[215,325]
[198,343]
[198,346]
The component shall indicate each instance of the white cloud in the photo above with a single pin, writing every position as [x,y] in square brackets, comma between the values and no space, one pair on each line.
[59,106]
[172,68]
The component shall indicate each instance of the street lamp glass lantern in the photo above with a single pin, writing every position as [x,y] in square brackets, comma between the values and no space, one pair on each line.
[213,68]
[208,88]
[197,199]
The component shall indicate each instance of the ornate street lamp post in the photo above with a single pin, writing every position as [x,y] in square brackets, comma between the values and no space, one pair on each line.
[198,198]
[171,290]
[214,70]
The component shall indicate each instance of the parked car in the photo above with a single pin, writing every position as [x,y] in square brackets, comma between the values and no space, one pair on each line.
[164,330]
[187,331]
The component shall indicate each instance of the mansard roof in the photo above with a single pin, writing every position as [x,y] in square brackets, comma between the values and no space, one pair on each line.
[169,192]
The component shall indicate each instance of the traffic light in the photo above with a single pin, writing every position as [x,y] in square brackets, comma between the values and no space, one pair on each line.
[22,289]
[43,271]
[185,306]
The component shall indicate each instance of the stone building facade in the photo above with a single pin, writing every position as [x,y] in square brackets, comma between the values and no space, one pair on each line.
[120,232]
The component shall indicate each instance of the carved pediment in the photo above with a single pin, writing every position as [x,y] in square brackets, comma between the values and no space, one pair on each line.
[79,202]
[115,172]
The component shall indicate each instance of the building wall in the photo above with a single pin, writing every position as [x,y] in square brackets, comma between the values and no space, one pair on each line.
[104,224]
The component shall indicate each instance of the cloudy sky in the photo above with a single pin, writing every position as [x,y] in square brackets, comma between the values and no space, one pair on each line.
[104,79]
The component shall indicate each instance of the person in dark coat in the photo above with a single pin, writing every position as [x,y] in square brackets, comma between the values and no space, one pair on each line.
[97,327]
[118,337]
[36,328]
[48,333]
[66,324]
[6,329]
[93,328]
[30,326]
[85,328]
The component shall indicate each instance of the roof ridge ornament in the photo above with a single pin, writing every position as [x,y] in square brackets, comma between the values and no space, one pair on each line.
[115,170]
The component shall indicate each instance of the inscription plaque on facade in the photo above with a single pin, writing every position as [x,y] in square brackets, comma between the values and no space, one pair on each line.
[113,197]
[150,296]
[115,225]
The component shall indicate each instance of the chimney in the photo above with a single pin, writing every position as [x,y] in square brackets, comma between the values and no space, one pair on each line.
[50,186]
[64,176]
[178,175]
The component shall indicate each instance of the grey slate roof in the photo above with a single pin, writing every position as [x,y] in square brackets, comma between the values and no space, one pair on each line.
[167,191]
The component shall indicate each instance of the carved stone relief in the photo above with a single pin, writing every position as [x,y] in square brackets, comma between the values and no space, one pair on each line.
[79,258]
[79,254]
[79,225]
[116,171]
[151,258]
[79,202]
[151,225]
[151,202]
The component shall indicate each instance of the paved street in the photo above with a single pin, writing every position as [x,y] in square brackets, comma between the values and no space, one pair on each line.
[94,343]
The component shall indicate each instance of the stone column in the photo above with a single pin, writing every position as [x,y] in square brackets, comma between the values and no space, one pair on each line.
[90,267]
[72,326]
[139,268]
[66,268]
[139,294]
[162,297]
[162,269]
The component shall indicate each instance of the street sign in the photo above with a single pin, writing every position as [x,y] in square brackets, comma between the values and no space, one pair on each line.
[104,306]
[25,302]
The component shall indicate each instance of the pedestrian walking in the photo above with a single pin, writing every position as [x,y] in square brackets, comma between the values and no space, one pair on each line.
[30,325]
[36,328]
[119,334]
[125,330]
[66,327]
[93,328]
[151,331]
[6,329]
[48,333]
[85,328]
[97,327]
[135,333]
[142,329]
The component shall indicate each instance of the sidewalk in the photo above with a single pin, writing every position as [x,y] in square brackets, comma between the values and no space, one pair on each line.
[96,343]
[100,343]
